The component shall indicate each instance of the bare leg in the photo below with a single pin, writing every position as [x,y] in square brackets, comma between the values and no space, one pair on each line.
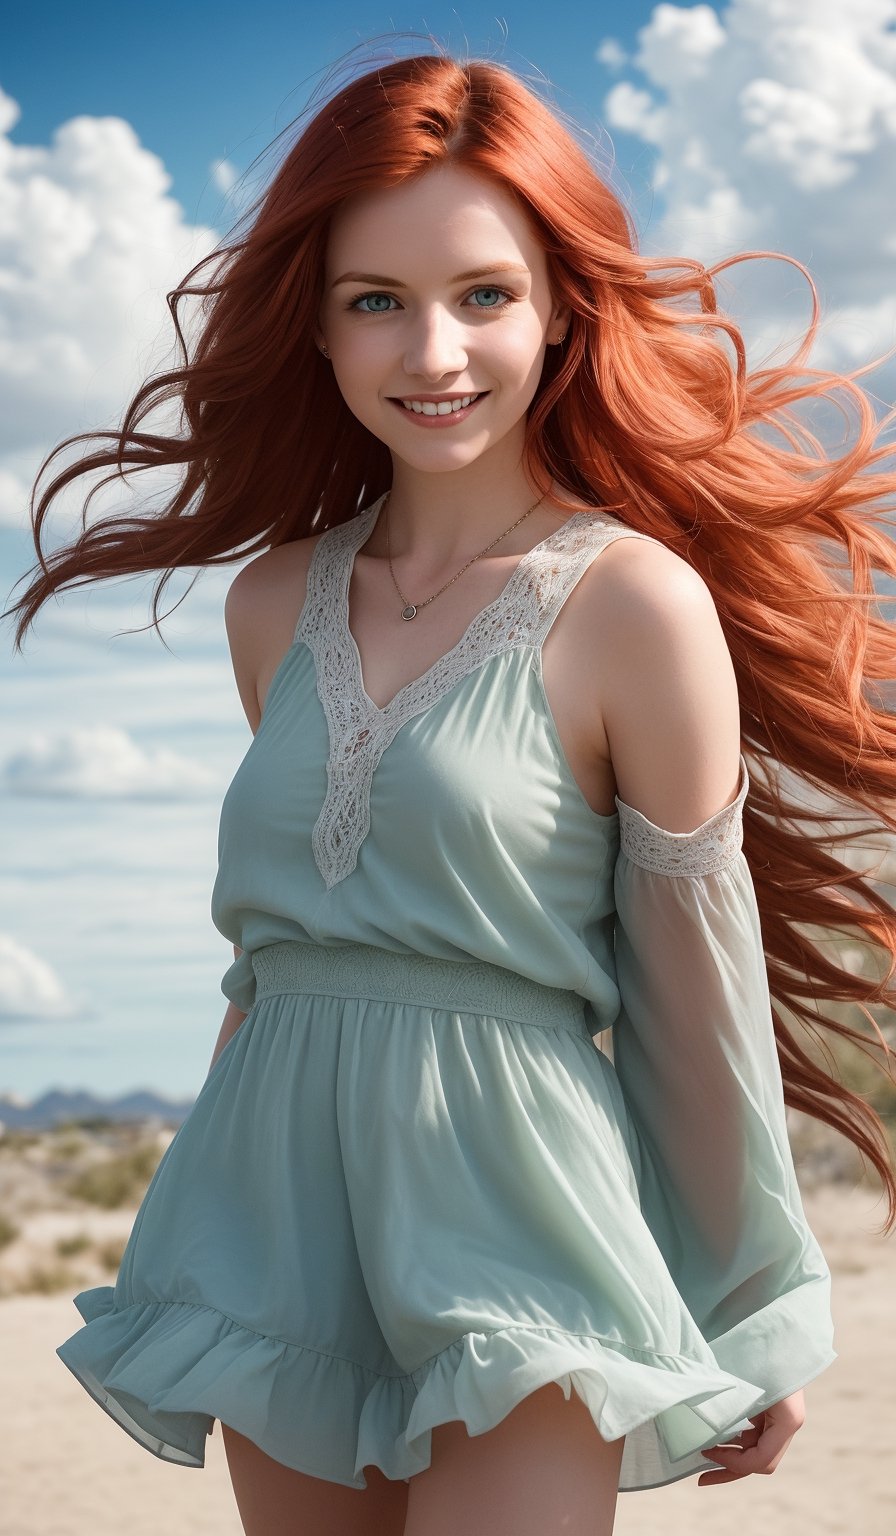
[543,1470]
[275,1500]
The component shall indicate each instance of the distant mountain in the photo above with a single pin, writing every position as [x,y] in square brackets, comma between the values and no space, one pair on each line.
[57,1105]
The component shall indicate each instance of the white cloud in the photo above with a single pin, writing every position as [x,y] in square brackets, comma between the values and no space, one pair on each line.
[636,112]
[775,125]
[735,225]
[10,112]
[224,175]
[90,243]
[101,762]
[611,53]
[678,46]
[14,495]
[29,989]
[814,138]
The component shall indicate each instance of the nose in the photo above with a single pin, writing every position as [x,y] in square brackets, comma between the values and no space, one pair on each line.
[436,345]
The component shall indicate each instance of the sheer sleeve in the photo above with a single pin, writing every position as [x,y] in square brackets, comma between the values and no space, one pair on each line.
[238,982]
[694,1050]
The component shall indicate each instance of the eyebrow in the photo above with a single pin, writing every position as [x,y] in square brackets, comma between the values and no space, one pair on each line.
[462,277]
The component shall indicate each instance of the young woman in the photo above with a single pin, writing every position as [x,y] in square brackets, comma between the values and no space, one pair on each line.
[436,1257]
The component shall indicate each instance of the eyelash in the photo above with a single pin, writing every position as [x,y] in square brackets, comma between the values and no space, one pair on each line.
[484,308]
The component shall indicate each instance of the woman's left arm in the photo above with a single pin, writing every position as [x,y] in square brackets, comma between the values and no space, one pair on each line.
[693,1044]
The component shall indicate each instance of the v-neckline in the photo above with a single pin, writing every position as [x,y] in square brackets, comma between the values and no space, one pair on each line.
[342,615]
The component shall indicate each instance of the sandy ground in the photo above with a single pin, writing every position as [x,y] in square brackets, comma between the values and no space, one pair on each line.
[68,1470]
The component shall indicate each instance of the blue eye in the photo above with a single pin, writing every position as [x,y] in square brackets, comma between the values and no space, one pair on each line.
[508,297]
[492,290]
[362,296]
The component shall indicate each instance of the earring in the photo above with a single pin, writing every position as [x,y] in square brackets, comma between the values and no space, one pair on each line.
[324,351]
[559,339]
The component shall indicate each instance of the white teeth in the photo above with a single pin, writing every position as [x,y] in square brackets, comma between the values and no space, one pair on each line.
[442,408]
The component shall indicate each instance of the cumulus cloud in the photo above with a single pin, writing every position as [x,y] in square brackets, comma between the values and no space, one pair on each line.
[636,112]
[775,124]
[101,762]
[224,175]
[90,242]
[680,45]
[29,988]
[611,53]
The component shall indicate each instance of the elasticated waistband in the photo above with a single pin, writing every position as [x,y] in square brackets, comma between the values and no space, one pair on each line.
[367,971]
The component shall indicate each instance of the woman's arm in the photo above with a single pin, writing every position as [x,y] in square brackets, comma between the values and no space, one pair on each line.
[693,1045]
[669,696]
[243,621]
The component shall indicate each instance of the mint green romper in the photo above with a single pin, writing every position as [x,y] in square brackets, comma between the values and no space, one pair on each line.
[414,1187]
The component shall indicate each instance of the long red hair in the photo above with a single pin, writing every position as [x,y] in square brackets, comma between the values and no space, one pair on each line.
[641,412]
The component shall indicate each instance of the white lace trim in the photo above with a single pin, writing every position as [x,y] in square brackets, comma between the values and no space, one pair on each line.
[359,730]
[708,848]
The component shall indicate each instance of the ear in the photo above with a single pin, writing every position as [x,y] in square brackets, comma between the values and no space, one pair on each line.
[559,323]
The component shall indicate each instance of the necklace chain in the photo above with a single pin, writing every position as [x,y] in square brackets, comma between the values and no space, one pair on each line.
[410,610]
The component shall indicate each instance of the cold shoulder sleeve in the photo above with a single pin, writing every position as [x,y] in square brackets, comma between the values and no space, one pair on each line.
[694,1050]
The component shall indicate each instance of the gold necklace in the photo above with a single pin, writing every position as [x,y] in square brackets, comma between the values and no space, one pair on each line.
[410,610]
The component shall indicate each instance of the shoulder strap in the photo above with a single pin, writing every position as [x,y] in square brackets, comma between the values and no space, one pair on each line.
[571,551]
[326,568]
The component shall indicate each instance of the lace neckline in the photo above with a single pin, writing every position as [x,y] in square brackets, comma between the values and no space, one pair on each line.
[359,731]
[479,622]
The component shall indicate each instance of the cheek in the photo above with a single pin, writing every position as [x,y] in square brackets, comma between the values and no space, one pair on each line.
[361,369]
[361,349]
[518,366]
[518,345]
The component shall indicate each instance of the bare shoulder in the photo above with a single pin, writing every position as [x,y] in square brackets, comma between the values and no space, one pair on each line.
[640,593]
[669,694]
[645,566]
[261,610]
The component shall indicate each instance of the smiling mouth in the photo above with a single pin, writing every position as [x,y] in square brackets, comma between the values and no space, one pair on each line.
[442,409]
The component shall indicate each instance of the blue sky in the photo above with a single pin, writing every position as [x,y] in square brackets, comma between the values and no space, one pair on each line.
[202,82]
[124,133]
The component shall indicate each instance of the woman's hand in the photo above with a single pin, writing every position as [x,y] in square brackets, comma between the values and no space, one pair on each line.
[761,1448]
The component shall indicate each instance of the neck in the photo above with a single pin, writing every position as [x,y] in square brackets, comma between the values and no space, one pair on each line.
[452,533]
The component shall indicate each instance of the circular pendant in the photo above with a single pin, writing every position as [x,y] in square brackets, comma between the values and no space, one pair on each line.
[409,612]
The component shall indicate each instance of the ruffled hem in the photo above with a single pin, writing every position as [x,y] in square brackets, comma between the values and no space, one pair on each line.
[166,1370]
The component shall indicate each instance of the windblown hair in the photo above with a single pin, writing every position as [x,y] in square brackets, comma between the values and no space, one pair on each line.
[639,412]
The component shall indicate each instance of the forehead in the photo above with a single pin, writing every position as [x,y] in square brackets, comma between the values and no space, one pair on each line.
[444,216]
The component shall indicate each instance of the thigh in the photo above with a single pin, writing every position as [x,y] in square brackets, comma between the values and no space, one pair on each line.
[543,1469]
[273,1498]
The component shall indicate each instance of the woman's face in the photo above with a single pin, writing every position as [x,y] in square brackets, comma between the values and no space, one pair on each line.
[399,317]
